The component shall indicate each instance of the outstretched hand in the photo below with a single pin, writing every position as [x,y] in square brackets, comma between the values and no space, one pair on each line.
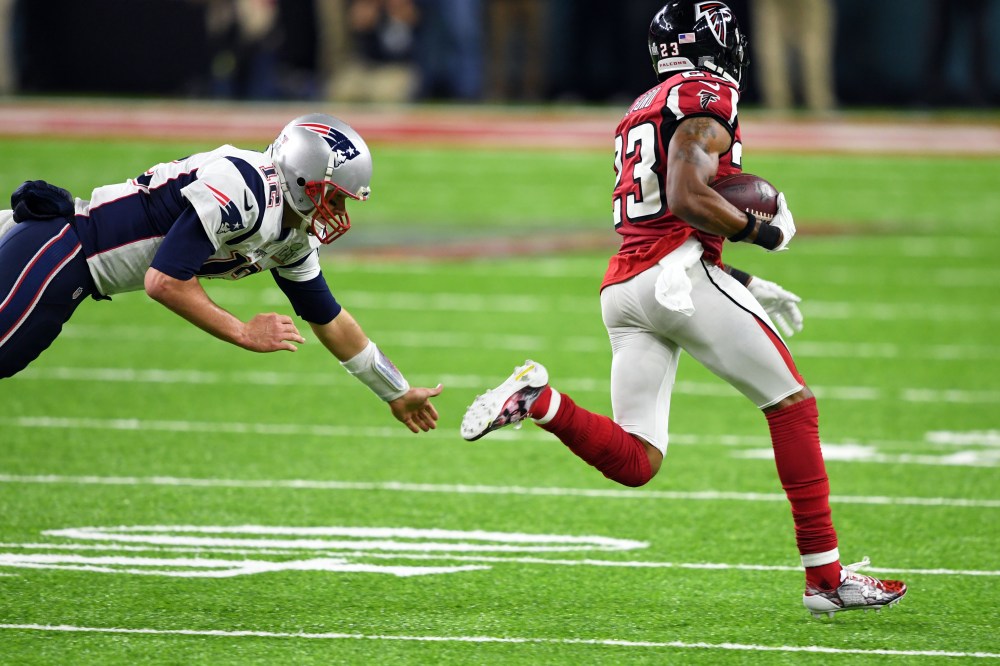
[414,409]
[272,332]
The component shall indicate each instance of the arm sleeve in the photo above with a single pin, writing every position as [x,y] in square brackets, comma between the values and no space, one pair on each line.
[742,277]
[185,247]
[311,299]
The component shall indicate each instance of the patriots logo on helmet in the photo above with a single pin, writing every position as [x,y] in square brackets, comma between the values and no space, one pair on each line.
[342,147]
[717,15]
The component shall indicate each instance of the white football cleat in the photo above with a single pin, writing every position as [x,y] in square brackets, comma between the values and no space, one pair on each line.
[507,404]
[856,592]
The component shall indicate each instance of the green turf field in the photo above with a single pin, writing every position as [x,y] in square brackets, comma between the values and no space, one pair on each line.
[167,498]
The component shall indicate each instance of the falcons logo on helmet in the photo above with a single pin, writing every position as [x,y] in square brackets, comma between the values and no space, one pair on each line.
[718,15]
[342,147]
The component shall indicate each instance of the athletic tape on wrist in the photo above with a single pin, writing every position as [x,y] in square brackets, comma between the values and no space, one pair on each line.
[768,236]
[378,373]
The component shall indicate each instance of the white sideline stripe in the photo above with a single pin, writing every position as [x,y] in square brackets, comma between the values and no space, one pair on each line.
[290,429]
[524,303]
[631,564]
[580,384]
[573,267]
[973,278]
[195,567]
[462,489]
[610,642]
[982,438]
[597,343]
[851,451]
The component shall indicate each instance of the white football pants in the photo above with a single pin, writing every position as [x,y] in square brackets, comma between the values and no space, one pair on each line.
[686,303]
[6,221]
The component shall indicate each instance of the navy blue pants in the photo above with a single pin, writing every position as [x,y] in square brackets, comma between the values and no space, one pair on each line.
[43,278]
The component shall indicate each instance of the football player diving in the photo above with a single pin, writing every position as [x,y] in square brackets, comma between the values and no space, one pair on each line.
[227,213]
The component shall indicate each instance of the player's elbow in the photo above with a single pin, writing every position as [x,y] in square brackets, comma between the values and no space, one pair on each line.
[160,286]
[694,205]
[685,205]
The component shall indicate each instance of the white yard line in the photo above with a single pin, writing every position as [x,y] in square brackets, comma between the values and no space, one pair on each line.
[335,377]
[979,448]
[319,552]
[596,343]
[503,304]
[463,489]
[590,305]
[606,642]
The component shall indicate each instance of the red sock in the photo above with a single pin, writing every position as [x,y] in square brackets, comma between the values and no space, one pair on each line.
[596,439]
[541,405]
[797,454]
[825,577]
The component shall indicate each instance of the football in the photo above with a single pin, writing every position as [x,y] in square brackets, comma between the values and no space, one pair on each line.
[749,193]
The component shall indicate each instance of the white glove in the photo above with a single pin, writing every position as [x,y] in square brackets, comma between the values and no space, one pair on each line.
[783,220]
[779,304]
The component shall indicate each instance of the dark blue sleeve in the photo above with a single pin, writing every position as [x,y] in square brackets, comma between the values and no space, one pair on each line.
[185,247]
[311,299]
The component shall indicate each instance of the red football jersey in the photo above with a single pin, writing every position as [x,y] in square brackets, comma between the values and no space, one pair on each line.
[642,215]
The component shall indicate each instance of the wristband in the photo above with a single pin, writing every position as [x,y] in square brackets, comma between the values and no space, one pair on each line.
[745,231]
[768,236]
[378,373]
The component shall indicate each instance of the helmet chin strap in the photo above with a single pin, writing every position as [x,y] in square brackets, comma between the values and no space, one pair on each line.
[286,197]
[320,221]
[307,220]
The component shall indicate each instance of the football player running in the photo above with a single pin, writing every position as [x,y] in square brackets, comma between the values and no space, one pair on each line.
[227,213]
[667,289]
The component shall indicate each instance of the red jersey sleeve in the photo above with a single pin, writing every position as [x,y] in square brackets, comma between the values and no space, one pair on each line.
[642,217]
[698,93]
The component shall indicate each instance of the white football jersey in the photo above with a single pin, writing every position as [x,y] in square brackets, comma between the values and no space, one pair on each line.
[236,196]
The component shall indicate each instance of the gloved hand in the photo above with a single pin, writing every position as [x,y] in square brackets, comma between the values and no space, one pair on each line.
[38,200]
[784,222]
[779,304]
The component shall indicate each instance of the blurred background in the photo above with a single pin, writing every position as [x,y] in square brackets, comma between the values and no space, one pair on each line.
[813,55]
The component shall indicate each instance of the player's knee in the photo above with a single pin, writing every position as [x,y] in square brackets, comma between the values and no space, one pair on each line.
[634,476]
[638,469]
[803,394]
[655,457]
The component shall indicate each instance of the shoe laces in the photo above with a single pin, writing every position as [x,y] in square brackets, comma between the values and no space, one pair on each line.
[870,587]
[854,568]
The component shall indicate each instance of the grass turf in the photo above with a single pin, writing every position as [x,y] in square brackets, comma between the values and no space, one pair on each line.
[144,421]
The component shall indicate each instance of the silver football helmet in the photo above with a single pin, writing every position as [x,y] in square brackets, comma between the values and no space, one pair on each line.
[318,158]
